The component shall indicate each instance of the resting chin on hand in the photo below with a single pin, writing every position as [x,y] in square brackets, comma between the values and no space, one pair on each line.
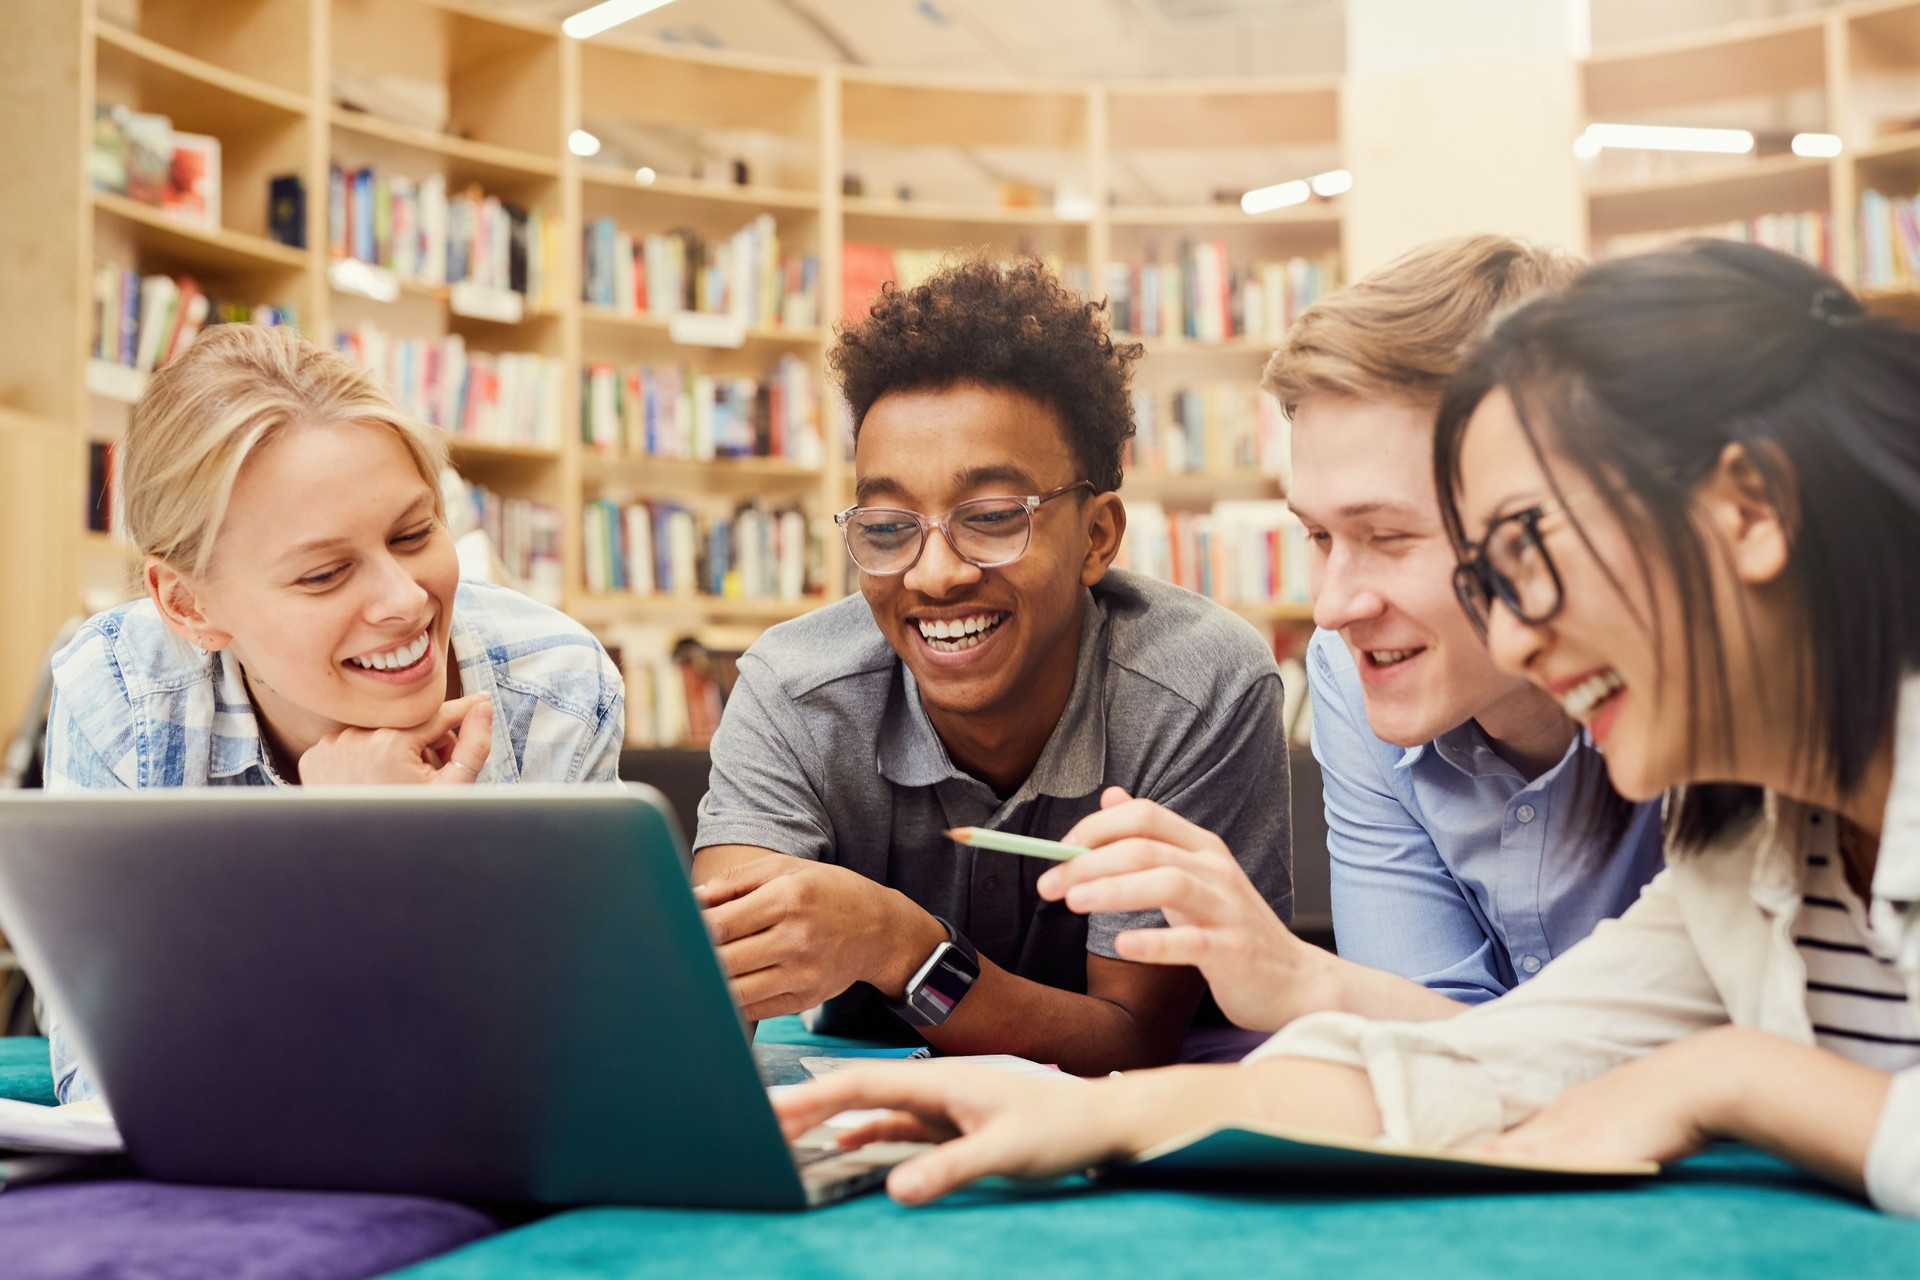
[792,933]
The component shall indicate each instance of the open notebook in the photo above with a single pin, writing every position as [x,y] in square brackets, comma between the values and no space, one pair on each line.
[1247,1152]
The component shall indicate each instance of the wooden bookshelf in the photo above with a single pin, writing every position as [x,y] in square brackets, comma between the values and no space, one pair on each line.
[293,86]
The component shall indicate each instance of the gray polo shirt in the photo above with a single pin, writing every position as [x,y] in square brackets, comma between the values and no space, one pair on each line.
[825,752]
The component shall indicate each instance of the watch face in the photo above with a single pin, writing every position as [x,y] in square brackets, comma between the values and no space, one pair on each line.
[949,976]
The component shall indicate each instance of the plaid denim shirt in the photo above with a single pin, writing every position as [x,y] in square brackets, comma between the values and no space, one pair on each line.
[136,706]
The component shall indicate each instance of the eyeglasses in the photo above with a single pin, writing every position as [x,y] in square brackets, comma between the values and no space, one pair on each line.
[985,532]
[1511,565]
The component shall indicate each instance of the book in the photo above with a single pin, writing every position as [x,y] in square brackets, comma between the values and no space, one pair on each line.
[149,143]
[193,181]
[80,1129]
[287,210]
[107,162]
[1254,1153]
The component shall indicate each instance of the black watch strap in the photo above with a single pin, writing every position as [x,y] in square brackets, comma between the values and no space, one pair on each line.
[940,983]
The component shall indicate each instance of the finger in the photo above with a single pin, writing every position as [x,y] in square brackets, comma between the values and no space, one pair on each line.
[1140,818]
[1174,945]
[897,1126]
[470,749]
[1163,888]
[778,1006]
[449,715]
[950,1166]
[739,881]
[1114,796]
[743,916]
[1123,858]
[921,1090]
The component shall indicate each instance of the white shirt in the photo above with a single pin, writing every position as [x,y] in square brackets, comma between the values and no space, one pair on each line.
[1710,941]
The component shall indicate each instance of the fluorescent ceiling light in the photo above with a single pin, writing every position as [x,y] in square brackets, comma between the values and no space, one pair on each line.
[1822,145]
[582,143]
[1332,183]
[611,13]
[1660,137]
[1267,199]
[645,175]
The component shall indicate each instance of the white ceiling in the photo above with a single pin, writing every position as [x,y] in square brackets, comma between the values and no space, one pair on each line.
[1087,38]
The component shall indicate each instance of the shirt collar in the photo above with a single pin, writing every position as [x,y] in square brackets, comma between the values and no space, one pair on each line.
[238,741]
[1897,873]
[473,658]
[1465,747]
[909,752]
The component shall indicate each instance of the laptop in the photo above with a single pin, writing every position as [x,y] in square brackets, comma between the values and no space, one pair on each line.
[491,994]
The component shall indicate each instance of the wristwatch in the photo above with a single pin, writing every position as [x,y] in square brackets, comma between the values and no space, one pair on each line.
[939,985]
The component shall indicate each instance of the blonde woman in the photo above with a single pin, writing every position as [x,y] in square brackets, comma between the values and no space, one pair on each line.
[303,620]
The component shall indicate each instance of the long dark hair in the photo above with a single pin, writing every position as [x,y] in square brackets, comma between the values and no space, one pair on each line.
[1643,370]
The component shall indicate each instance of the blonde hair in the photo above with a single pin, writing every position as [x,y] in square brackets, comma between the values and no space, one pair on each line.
[236,388]
[1400,332]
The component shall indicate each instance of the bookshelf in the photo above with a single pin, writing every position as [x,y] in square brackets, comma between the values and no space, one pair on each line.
[443,99]
[1852,71]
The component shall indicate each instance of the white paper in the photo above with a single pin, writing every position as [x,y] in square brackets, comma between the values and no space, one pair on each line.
[79,1128]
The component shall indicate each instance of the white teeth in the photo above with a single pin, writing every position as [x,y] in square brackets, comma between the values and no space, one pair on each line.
[951,635]
[1390,657]
[1580,700]
[395,659]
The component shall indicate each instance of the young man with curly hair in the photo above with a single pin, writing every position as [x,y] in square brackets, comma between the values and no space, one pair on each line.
[994,672]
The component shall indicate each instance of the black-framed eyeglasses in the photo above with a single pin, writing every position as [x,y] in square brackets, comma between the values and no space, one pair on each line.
[985,532]
[1511,564]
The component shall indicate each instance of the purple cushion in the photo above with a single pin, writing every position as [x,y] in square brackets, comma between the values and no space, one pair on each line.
[162,1231]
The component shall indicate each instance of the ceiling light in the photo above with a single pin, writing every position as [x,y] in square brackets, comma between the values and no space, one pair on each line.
[1279,196]
[1332,183]
[582,143]
[1821,145]
[591,22]
[645,175]
[1660,137]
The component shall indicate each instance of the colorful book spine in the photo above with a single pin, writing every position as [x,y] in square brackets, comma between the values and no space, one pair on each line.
[427,235]
[747,276]
[1889,255]
[1239,553]
[142,322]
[1198,294]
[1215,428]
[509,399]
[671,412]
[1807,235]
[665,548]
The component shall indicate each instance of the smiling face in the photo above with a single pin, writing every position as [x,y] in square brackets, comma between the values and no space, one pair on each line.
[331,581]
[1601,654]
[985,645]
[1382,566]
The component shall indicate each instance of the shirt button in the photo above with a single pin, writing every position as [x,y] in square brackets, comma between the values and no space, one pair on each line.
[990,883]
[1530,963]
[1525,813]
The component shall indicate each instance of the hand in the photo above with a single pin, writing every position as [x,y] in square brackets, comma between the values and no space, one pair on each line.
[988,1122]
[1148,858]
[1663,1107]
[792,933]
[449,748]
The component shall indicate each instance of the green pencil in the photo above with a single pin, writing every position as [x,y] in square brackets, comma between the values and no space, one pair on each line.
[1007,842]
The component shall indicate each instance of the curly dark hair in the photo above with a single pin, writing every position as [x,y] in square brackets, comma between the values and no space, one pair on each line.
[1013,326]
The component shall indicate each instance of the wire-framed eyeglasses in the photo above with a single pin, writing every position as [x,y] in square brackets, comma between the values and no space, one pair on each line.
[985,532]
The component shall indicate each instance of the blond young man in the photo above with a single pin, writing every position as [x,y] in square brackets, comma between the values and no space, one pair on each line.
[1472,833]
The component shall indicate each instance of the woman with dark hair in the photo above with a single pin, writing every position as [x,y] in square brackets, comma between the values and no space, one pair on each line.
[1686,494]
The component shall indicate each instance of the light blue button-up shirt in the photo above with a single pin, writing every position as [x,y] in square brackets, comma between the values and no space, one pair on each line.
[1450,868]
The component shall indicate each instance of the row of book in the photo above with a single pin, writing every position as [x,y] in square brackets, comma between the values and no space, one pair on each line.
[1889,241]
[1200,295]
[663,548]
[669,411]
[426,234]
[747,276]
[1248,553]
[1807,236]
[673,699]
[1217,428]
[140,155]
[142,322]
[525,534]
[511,399]
[865,268]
